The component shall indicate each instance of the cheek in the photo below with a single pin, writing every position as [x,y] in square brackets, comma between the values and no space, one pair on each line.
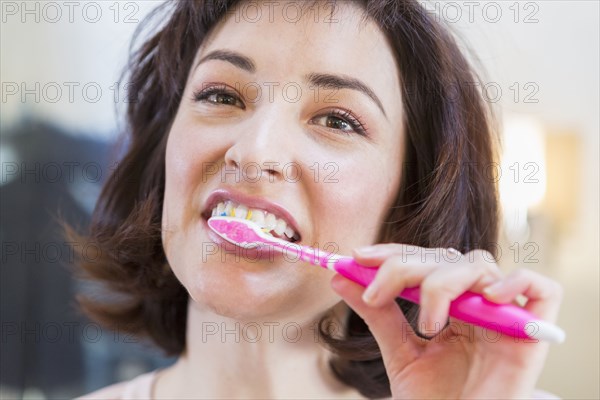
[182,177]
[353,208]
[180,164]
[188,162]
[177,173]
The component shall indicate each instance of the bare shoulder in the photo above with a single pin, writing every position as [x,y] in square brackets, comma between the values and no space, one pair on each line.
[137,388]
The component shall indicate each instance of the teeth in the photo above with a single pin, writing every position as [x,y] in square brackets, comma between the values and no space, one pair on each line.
[269,222]
[280,227]
[289,232]
[241,212]
[258,217]
[228,208]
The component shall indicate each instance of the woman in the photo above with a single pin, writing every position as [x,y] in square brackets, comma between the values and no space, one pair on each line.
[353,124]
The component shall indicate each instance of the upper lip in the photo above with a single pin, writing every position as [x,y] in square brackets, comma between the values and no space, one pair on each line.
[278,210]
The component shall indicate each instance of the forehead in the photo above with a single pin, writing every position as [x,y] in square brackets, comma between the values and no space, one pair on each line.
[287,42]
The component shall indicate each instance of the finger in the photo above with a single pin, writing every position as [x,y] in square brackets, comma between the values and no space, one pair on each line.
[444,285]
[543,294]
[397,341]
[408,270]
[375,255]
[393,276]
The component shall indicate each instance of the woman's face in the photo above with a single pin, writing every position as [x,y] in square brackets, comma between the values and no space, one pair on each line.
[305,123]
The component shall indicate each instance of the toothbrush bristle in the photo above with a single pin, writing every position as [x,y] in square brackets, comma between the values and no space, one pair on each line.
[236,231]
[244,233]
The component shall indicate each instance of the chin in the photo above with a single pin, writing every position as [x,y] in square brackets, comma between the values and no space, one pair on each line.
[254,291]
[249,297]
[248,309]
[238,295]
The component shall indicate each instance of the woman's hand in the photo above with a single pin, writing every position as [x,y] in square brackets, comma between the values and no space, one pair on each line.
[462,360]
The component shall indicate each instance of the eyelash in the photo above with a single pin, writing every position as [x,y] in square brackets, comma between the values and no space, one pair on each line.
[202,95]
[354,121]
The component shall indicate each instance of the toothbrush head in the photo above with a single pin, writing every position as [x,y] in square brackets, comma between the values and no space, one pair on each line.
[241,232]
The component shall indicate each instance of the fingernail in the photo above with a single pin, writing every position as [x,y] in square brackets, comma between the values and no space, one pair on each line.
[493,289]
[370,294]
[367,250]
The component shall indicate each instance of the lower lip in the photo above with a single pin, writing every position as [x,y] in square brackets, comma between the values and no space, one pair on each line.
[241,252]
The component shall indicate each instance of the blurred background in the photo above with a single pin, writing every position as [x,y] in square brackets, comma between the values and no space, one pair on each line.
[61,99]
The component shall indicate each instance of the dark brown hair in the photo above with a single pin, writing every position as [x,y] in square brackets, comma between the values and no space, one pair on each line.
[446,198]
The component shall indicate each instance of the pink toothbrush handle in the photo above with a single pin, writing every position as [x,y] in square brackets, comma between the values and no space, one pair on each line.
[469,307]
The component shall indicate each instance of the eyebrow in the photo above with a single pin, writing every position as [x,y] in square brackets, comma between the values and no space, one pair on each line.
[330,81]
[231,57]
[319,80]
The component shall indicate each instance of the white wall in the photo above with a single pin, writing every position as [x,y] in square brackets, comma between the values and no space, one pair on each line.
[55,52]
[559,53]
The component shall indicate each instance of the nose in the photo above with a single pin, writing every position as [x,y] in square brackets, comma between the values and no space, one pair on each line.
[263,147]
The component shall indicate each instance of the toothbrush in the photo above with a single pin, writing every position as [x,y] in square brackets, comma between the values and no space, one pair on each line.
[469,307]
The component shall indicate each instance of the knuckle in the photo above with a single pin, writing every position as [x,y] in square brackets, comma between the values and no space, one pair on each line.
[392,267]
[490,268]
[484,261]
[373,320]
[523,274]
[549,287]
[481,256]
[407,251]
[392,263]
[449,255]
[431,285]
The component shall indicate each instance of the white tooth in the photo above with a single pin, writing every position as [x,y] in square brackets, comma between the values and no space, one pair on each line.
[280,227]
[270,222]
[241,212]
[228,208]
[220,208]
[214,212]
[289,232]
[258,217]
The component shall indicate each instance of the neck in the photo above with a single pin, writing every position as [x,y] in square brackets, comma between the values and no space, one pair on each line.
[262,358]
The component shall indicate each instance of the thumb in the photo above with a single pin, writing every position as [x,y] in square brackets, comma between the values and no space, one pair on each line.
[397,341]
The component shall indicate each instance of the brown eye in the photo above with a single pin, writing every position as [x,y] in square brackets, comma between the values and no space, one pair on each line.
[334,122]
[341,121]
[218,96]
